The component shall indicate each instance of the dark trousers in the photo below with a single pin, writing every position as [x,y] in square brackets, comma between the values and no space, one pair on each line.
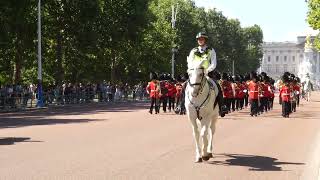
[154,103]
[294,106]
[246,100]
[227,102]
[171,103]
[298,100]
[164,101]
[264,104]
[239,103]
[271,102]
[233,104]
[254,107]
[285,108]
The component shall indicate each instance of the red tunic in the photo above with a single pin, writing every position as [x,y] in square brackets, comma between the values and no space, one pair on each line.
[297,88]
[265,90]
[153,89]
[171,90]
[253,90]
[227,89]
[240,90]
[285,93]
[178,89]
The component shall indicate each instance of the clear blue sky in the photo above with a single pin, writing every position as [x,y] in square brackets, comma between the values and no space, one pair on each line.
[280,20]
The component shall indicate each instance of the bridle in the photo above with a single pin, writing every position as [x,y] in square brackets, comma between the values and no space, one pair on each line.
[201,83]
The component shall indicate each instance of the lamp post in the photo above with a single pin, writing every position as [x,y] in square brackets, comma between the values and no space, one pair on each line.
[39,87]
[174,49]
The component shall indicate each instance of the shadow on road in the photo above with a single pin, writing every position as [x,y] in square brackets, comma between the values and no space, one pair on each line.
[33,121]
[79,109]
[13,140]
[255,163]
[42,116]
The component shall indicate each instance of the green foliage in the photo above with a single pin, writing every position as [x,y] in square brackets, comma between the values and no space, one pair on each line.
[314,18]
[123,40]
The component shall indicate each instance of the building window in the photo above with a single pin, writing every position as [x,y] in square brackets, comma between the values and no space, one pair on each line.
[277,70]
[272,51]
[285,58]
[289,51]
[301,55]
[293,58]
[285,67]
[277,58]
[269,68]
[294,70]
[280,51]
[298,51]
[269,58]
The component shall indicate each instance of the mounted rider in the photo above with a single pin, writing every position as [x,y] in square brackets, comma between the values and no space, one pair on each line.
[208,55]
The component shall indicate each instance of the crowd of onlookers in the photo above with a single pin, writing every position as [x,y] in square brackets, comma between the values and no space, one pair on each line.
[21,96]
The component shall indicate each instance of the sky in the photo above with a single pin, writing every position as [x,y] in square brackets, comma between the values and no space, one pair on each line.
[280,20]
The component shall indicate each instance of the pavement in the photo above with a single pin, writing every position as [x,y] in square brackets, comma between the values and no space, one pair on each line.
[124,141]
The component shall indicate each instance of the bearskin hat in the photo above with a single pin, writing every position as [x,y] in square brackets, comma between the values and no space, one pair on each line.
[225,76]
[237,78]
[285,78]
[253,75]
[153,76]
[263,74]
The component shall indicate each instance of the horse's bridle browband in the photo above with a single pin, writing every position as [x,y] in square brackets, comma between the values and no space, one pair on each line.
[200,90]
[199,83]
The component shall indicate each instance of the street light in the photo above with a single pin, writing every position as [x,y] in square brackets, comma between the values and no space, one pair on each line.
[39,88]
[173,23]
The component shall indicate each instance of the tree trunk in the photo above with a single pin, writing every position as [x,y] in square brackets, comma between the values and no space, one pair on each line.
[18,59]
[60,71]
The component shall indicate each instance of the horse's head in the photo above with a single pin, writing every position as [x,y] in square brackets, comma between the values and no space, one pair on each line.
[197,75]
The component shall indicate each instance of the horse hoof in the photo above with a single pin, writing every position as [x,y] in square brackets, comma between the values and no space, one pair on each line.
[205,158]
[199,160]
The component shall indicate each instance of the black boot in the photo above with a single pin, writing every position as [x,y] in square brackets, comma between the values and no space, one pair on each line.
[223,110]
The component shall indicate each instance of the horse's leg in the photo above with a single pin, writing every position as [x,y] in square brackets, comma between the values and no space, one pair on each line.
[205,123]
[196,136]
[212,130]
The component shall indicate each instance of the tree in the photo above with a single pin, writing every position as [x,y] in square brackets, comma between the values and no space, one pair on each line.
[314,18]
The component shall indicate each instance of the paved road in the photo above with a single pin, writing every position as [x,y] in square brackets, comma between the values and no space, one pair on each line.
[125,142]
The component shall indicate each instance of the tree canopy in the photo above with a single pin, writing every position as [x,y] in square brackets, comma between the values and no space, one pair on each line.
[314,18]
[116,40]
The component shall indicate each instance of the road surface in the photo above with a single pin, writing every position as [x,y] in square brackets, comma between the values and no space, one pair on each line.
[125,142]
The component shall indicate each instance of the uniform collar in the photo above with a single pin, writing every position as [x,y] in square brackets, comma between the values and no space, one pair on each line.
[202,49]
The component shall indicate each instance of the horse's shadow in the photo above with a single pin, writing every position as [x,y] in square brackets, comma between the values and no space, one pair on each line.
[13,140]
[253,162]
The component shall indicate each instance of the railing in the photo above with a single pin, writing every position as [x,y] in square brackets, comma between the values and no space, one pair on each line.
[27,101]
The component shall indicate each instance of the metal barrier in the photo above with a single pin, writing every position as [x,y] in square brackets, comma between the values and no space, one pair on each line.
[27,101]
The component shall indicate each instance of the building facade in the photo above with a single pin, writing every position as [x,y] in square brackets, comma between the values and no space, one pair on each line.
[279,57]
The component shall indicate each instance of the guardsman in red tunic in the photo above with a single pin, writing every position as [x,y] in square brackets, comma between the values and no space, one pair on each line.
[297,89]
[285,96]
[178,87]
[171,94]
[242,92]
[239,94]
[272,90]
[253,87]
[265,94]
[153,89]
[226,91]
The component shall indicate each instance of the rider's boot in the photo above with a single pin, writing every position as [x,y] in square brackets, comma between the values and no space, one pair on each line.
[223,110]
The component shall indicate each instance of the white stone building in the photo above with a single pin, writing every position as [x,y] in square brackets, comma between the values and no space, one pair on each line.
[279,57]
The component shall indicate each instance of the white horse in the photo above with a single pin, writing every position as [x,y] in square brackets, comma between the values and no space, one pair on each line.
[201,110]
[307,88]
